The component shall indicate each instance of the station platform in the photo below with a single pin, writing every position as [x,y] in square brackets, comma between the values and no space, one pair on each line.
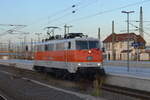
[137,76]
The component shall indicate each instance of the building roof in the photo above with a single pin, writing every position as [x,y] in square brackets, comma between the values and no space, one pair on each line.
[124,37]
[126,51]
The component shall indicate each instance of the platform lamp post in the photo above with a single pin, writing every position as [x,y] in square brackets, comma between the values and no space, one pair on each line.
[128,12]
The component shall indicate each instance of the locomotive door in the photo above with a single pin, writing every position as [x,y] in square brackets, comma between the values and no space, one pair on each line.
[68,47]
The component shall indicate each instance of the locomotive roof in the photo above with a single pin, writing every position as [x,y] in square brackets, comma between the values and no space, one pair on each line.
[63,40]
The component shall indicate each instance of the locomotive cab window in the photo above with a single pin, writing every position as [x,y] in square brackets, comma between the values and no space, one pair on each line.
[87,45]
[93,44]
[81,45]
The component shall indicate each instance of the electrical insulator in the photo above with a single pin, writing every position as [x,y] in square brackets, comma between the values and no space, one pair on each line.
[73,6]
[73,11]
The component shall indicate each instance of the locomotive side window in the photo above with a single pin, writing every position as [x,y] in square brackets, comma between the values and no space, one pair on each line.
[38,48]
[50,47]
[46,47]
[41,48]
[60,46]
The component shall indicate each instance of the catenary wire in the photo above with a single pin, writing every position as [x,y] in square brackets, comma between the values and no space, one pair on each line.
[107,11]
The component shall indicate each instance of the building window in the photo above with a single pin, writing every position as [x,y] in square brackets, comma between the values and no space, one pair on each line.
[108,46]
[120,44]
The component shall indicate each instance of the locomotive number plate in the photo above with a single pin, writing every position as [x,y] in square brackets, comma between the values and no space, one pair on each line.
[89,58]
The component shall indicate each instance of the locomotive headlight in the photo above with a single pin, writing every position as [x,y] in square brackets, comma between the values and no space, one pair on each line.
[99,64]
[89,51]
[79,64]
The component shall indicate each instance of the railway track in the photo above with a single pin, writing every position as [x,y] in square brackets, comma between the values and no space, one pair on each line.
[2,97]
[143,95]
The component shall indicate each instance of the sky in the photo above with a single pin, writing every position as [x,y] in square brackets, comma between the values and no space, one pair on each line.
[88,16]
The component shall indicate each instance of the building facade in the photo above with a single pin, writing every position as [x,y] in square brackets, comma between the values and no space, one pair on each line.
[116,46]
[145,54]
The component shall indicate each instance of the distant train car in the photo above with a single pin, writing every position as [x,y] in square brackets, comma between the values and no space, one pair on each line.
[70,55]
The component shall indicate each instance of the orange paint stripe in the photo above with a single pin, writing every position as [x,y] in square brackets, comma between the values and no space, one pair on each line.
[70,56]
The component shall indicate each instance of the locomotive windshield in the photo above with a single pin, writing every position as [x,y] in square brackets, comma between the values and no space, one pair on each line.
[87,44]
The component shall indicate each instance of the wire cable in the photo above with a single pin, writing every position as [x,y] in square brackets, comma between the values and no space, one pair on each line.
[73,11]
[107,11]
[81,7]
[56,13]
[138,27]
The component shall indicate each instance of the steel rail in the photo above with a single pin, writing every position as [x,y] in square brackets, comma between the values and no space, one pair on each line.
[126,91]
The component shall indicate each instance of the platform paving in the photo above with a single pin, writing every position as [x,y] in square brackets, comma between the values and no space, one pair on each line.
[20,88]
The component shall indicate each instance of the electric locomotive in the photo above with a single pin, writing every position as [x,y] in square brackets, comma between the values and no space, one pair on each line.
[74,54]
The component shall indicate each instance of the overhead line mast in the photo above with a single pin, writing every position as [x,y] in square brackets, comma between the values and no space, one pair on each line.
[141,23]
[107,11]
[113,41]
